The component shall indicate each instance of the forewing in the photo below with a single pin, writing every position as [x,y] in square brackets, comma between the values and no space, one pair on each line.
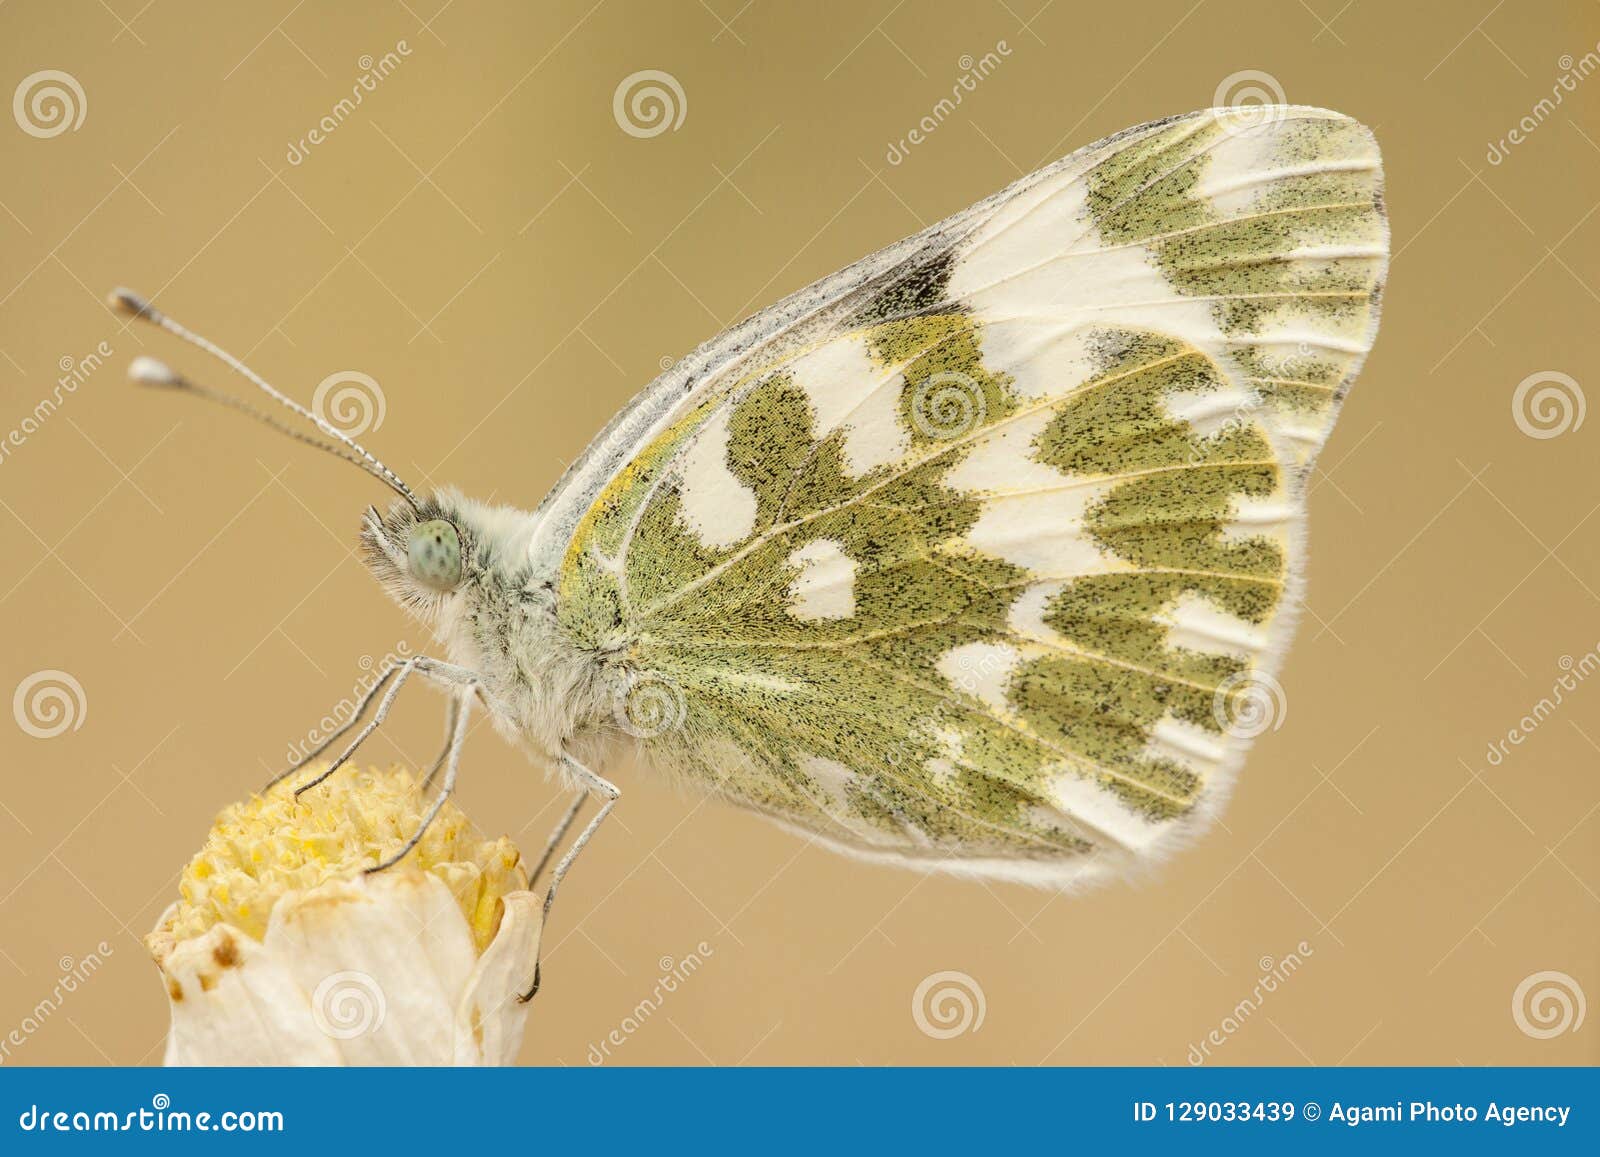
[986,556]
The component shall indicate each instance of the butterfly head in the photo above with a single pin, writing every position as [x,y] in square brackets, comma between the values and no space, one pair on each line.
[433,554]
[445,555]
[423,553]
[419,550]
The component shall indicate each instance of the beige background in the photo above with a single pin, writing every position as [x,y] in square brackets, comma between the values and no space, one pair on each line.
[483,239]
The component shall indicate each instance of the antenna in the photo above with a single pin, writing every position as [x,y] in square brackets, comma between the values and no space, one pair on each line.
[148,371]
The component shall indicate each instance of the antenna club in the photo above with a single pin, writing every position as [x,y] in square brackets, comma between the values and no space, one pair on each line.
[126,301]
[148,371]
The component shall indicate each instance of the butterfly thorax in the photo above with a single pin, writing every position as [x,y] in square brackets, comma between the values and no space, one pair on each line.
[542,690]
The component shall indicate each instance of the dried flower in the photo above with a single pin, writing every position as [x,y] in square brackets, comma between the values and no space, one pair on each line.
[282,950]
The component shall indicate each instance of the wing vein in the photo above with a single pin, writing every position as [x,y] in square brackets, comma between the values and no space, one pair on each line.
[843,645]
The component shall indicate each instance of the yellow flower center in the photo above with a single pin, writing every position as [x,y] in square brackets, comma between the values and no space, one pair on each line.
[270,845]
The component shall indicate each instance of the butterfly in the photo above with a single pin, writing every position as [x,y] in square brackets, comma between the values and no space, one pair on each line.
[974,556]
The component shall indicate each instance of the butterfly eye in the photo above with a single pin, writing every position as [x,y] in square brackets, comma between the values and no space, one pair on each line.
[434,555]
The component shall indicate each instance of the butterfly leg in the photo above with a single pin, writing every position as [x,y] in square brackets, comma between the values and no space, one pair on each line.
[449,735]
[401,674]
[592,785]
[439,672]
[355,717]
[558,835]
[461,700]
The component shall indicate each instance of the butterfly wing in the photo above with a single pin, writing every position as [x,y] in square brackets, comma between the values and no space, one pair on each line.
[980,553]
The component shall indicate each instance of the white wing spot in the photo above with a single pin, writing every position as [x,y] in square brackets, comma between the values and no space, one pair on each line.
[942,768]
[1193,623]
[836,781]
[1004,460]
[1185,743]
[848,389]
[1214,411]
[825,588]
[1043,358]
[1095,287]
[1032,514]
[1083,799]
[717,507]
[833,777]
[981,670]
[1237,168]
[1026,616]
[1261,517]
[1043,533]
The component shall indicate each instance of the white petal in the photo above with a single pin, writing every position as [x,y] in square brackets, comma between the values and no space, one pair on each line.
[491,1016]
[234,1003]
[383,961]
